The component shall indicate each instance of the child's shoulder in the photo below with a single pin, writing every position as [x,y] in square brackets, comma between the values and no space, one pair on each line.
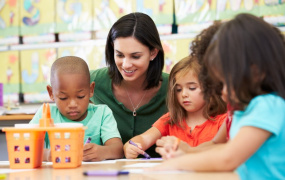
[221,117]
[269,96]
[94,107]
[218,118]
[165,116]
[267,100]
[91,105]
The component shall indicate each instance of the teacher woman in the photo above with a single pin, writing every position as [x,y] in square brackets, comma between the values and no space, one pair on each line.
[133,84]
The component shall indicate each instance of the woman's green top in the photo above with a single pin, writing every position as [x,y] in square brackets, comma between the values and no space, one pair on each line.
[129,125]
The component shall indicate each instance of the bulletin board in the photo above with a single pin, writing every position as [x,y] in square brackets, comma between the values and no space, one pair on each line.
[199,11]
[35,73]
[161,11]
[74,15]
[93,55]
[9,18]
[9,75]
[37,17]
[107,12]
[175,50]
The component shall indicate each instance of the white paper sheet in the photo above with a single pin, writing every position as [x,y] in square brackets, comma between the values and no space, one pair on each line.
[140,171]
[141,165]
[141,159]
[4,171]
[5,163]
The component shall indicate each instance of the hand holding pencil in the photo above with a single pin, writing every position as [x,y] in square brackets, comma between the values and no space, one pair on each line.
[132,150]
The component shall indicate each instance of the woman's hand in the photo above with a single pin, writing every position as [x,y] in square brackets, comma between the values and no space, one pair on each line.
[131,151]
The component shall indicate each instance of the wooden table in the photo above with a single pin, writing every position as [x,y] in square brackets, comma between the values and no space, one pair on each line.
[25,112]
[27,117]
[11,120]
[17,117]
[46,172]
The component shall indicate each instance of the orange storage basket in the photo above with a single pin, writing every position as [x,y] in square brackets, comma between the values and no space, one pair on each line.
[25,143]
[25,147]
[66,145]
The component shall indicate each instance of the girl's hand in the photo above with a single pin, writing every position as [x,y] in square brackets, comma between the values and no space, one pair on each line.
[170,147]
[169,155]
[168,143]
[92,152]
[131,151]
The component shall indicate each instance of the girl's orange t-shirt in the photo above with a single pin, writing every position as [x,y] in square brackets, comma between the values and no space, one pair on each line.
[200,134]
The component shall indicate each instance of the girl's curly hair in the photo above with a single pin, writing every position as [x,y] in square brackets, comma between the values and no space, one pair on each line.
[211,88]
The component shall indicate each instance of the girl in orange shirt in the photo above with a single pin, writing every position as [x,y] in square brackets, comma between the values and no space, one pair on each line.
[190,117]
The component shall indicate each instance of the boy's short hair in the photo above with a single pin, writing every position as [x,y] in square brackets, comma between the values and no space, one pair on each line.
[70,65]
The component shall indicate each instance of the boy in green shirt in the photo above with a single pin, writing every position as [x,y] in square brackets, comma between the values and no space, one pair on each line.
[71,89]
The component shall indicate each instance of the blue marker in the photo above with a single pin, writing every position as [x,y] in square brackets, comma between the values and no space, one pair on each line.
[88,140]
[145,154]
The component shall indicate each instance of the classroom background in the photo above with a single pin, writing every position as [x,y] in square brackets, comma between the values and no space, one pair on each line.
[33,33]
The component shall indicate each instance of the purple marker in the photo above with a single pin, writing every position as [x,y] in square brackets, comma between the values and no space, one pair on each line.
[88,140]
[145,154]
[104,173]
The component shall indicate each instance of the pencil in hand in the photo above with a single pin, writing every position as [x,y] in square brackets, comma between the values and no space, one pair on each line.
[144,154]
[88,140]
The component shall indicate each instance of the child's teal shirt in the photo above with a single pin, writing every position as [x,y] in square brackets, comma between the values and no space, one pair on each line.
[99,121]
[266,112]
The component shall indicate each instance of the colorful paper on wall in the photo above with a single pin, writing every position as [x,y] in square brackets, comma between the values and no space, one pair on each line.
[175,50]
[93,55]
[74,15]
[273,12]
[99,58]
[9,75]
[272,7]
[107,12]
[161,11]
[197,11]
[227,9]
[35,72]
[37,17]
[9,22]
[194,11]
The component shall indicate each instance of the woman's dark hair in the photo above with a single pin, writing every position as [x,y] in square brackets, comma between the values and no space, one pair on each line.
[249,55]
[141,27]
[211,88]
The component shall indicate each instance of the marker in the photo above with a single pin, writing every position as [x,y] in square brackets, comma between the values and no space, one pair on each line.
[145,154]
[88,140]
[104,173]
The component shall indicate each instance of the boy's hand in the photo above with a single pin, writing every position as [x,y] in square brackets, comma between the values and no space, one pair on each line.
[47,155]
[92,152]
[131,151]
